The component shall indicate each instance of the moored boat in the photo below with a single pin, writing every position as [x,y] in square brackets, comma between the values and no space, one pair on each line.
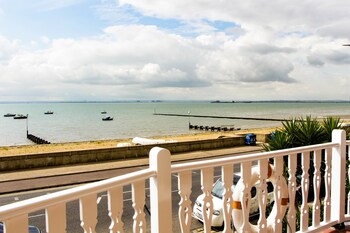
[20,116]
[48,112]
[107,118]
[9,115]
[103,112]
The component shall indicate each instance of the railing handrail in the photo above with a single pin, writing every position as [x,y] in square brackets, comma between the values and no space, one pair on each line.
[41,202]
[246,158]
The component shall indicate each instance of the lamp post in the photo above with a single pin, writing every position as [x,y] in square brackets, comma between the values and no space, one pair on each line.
[346,44]
[189,120]
[27,125]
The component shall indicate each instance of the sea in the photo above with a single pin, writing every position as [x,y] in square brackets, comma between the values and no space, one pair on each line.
[82,121]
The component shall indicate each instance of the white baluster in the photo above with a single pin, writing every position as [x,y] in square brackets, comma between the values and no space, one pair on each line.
[160,190]
[327,184]
[246,168]
[207,208]
[304,209]
[338,176]
[262,194]
[88,213]
[278,193]
[227,181]
[317,185]
[348,181]
[264,169]
[17,224]
[138,200]
[56,218]
[292,187]
[185,205]
[115,209]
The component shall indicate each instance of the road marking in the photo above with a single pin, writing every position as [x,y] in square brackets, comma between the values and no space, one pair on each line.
[36,216]
[201,229]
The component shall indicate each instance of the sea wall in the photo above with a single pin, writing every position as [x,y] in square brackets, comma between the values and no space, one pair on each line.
[23,162]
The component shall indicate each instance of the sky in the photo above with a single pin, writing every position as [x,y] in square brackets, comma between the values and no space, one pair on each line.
[107,50]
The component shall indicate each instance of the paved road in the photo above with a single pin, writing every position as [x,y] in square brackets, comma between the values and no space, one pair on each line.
[57,180]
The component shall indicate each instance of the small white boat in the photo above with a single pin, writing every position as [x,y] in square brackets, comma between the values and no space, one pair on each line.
[20,116]
[147,141]
[9,115]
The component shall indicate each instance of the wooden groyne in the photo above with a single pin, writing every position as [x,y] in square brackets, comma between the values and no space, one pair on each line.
[220,117]
[212,128]
[36,139]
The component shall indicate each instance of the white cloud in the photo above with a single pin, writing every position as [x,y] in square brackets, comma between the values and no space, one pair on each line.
[45,39]
[7,49]
[145,58]
[281,15]
[150,69]
[112,12]
[284,50]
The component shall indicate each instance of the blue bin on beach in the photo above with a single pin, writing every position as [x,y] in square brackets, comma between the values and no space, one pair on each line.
[250,139]
[272,136]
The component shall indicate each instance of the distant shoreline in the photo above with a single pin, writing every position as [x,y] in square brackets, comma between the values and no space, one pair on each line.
[74,122]
[170,101]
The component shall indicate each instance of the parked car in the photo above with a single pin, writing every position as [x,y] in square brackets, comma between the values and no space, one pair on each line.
[217,193]
[31,229]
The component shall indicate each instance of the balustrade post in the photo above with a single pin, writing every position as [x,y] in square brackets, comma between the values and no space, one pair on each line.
[338,176]
[160,190]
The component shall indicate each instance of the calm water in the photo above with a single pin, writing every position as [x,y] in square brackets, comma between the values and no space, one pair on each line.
[83,121]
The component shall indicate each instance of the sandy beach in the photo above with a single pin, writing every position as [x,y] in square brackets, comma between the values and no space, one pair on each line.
[57,147]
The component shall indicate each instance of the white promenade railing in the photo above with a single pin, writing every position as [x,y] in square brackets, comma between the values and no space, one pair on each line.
[290,170]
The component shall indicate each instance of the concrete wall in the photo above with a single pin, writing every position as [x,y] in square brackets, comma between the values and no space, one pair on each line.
[21,162]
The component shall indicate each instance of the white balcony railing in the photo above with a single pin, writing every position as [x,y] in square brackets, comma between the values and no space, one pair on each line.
[327,160]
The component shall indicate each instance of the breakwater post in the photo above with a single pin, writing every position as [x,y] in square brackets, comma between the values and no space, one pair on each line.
[36,139]
[212,128]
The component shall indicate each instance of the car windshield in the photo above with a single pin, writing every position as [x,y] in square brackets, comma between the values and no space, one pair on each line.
[31,229]
[218,188]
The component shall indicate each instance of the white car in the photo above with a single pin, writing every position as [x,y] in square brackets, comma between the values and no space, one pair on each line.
[217,192]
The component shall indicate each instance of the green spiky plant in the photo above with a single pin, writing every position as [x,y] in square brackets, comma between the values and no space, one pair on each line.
[329,124]
[309,132]
[281,140]
[302,132]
